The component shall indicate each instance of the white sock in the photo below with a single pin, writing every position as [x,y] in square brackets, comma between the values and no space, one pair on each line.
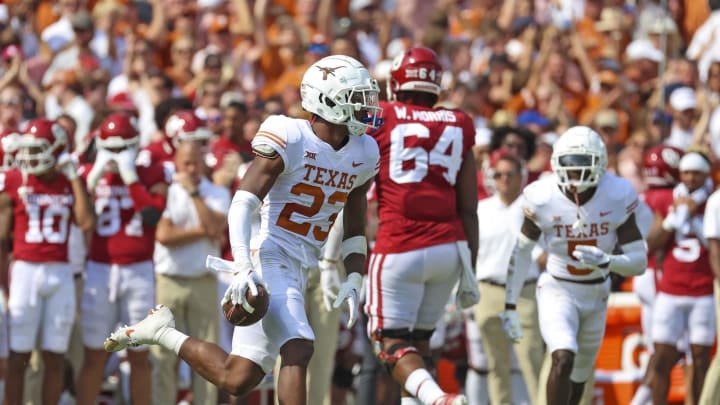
[643,396]
[409,401]
[171,339]
[421,384]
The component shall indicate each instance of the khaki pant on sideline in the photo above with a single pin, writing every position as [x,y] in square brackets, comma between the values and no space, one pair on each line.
[193,302]
[711,389]
[529,350]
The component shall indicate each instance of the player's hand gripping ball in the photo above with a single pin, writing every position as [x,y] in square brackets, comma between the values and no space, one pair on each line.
[250,311]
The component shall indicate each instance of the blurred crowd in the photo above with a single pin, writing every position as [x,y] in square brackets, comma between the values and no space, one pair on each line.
[640,72]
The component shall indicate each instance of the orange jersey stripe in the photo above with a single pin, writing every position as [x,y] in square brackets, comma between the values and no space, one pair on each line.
[273,137]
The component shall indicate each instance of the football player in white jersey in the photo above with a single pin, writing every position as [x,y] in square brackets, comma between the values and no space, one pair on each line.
[305,172]
[583,214]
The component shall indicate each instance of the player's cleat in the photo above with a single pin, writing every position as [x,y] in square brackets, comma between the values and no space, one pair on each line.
[143,332]
[451,399]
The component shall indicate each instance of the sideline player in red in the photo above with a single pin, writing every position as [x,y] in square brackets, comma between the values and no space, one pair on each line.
[180,126]
[37,203]
[120,284]
[684,303]
[428,234]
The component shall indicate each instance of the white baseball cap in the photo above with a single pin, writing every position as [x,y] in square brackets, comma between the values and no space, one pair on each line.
[643,49]
[683,98]
[694,162]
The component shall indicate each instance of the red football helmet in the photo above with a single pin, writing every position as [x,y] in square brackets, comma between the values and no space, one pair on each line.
[661,166]
[186,126]
[118,131]
[40,145]
[9,145]
[417,69]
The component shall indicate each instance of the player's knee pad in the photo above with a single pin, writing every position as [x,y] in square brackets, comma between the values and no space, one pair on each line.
[394,353]
[389,357]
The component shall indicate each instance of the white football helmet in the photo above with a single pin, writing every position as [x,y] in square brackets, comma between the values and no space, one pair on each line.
[579,150]
[340,90]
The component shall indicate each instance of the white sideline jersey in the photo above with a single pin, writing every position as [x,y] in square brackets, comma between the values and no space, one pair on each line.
[302,205]
[555,214]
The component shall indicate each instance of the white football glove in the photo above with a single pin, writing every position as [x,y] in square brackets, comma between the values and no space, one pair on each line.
[102,158]
[243,280]
[350,291]
[511,325]
[68,164]
[591,256]
[126,165]
[329,281]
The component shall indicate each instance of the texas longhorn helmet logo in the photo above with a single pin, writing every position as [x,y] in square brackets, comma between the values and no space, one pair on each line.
[328,71]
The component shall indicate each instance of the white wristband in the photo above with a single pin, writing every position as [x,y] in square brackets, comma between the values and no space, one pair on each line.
[356,244]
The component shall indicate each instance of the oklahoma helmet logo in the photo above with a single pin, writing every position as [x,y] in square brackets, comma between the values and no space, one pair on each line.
[328,71]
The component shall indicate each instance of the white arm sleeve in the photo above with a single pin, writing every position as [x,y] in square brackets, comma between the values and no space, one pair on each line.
[333,246]
[243,206]
[518,268]
[632,261]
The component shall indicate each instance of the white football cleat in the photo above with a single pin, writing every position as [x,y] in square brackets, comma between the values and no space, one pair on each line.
[143,332]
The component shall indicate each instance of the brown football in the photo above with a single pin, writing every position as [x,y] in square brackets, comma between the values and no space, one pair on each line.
[239,316]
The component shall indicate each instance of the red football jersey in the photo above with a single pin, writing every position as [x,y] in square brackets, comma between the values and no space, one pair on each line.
[156,152]
[659,200]
[421,151]
[41,216]
[686,265]
[120,235]
[222,146]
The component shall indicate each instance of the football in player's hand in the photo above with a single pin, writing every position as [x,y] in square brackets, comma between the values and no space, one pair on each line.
[252,312]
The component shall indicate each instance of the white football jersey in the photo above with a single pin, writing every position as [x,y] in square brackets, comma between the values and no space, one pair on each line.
[302,205]
[557,216]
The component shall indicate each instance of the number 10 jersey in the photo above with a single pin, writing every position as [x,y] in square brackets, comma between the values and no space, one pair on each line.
[304,202]
[42,212]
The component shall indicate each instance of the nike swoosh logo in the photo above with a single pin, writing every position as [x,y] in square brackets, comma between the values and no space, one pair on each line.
[356,164]
[128,332]
[602,214]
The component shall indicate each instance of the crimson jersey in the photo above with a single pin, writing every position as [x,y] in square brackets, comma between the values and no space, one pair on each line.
[42,213]
[659,200]
[686,265]
[120,235]
[421,151]
[156,152]
[223,146]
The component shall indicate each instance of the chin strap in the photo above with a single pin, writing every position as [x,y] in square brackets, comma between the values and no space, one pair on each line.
[578,221]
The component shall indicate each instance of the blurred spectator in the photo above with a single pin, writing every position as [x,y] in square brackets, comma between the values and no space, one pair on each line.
[683,104]
[66,96]
[11,101]
[180,69]
[231,139]
[60,33]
